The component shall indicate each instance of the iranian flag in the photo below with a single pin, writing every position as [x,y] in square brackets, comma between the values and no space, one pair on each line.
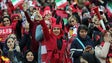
[109,9]
[61,3]
[16,3]
[109,6]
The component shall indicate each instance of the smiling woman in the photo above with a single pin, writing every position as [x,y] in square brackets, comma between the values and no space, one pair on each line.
[6,21]
[29,57]
[11,51]
[56,31]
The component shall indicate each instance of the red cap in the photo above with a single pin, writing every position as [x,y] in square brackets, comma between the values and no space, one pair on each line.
[14,15]
[47,10]
[56,25]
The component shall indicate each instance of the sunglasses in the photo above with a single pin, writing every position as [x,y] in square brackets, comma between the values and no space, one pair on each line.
[71,21]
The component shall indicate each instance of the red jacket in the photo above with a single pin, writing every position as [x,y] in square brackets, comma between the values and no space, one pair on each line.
[53,54]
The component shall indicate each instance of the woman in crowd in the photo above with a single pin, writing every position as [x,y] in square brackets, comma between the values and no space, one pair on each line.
[103,50]
[11,51]
[73,22]
[54,37]
[82,43]
[29,57]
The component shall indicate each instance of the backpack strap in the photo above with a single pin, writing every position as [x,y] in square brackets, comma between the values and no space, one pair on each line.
[81,43]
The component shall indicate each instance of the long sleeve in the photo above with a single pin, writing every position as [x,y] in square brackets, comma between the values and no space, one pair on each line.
[45,30]
[76,52]
[28,18]
[102,51]
[11,56]
[39,33]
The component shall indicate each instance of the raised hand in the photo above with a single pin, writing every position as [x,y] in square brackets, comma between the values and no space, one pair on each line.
[107,37]
[25,6]
[38,16]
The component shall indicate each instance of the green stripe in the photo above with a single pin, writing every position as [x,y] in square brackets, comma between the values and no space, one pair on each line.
[57,1]
[13,1]
[110,4]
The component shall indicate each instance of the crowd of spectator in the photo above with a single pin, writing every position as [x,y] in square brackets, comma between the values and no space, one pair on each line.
[56,31]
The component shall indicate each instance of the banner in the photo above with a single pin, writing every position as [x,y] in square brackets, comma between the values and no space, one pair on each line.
[61,3]
[4,32]
[16,3]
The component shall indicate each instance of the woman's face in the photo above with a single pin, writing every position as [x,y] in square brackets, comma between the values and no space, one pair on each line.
[30,56]
[56,31]
[73,22]
[48,16]
[95,19]
[83,33]
[16,18]
[10,43]
[83,60]
[6,22]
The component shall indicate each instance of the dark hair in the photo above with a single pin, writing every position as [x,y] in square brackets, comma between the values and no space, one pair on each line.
[90,58]
[6,17]
[6,42]
[34,60]
[82,27]
[5,47]
[110,25]
[77,16]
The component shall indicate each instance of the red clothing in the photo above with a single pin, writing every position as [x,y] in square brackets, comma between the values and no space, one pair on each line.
[53,54]
[75,9]
[7,30]
[10,8]
[33,25]
[61,13]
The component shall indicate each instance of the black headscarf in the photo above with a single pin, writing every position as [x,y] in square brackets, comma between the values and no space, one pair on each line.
[25,60]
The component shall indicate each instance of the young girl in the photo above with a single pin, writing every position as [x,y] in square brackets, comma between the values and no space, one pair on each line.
[29,57]
[53,46]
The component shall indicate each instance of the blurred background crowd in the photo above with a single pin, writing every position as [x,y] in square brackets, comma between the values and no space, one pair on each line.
[55,31]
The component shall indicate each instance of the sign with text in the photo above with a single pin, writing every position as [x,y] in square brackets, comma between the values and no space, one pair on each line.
[4,32]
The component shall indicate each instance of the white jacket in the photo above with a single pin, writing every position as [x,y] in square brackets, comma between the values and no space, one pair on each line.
[102,51]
